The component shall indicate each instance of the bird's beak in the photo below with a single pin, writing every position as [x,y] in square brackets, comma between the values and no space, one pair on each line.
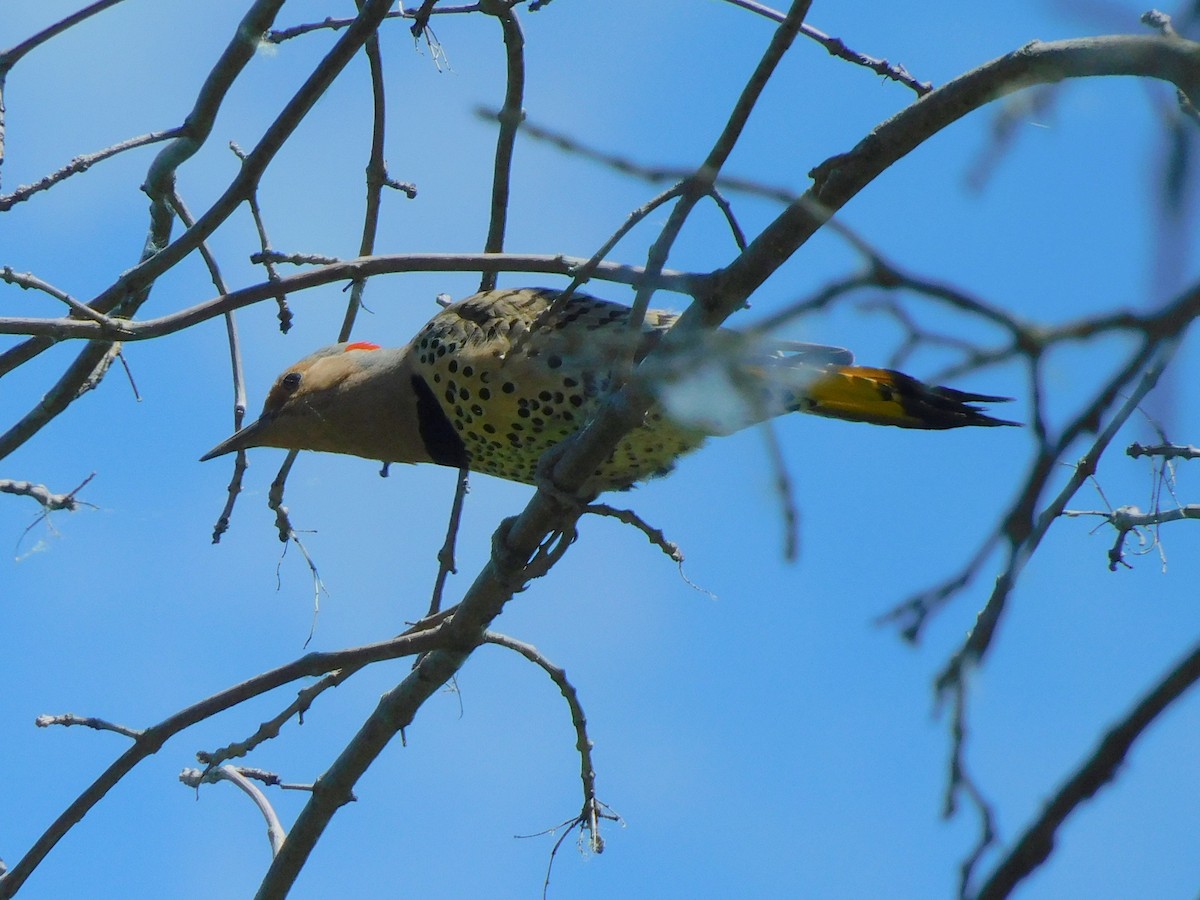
[241,440]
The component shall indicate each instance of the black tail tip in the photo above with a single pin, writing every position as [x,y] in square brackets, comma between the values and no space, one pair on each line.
[963,412]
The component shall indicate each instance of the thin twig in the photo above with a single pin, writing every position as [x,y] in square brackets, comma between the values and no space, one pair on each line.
[275,831]
[702,180]
[583,273]
[1024,534]
[510,120]
[376,177]
[646,172]
[654,535]
[1166,451]
[421,17]
[29,281]
[234,487]
[268,257]
[52,330]
[784,492]
[838,48]
[445,556]
[269,730]
[284,34]
[591,813]
[81,164]
[960,780]
[288,535]
[1129,518]
[519,540]
[66,720]
[11,56]
[43,495]
[264,258]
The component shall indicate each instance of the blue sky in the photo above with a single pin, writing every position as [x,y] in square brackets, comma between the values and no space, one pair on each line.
[772,741]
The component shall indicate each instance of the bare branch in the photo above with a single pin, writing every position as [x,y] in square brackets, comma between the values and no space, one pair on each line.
[1129,518]
[644,171]
[960,780]
[82,164]
[29,281]
[1159,332]
[590,815]
[270,729]
[583,273]
[68,719]
[416,640]
[445,557]
[285,34]
[275,832]
[239,386]
[1036,843]
[701,181]
[838,48]
[268,257]
[376,177]
[43,495]
[1024,534]
[784,491]
[654,535]
[1023,531]
[349,270]
[510,120]
[265,259]
[838,179]
[12,56]
[1166,451]
[128,292]
[527,546]
[421,17]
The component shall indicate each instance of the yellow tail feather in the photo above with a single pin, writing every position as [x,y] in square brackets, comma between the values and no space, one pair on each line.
[887,397]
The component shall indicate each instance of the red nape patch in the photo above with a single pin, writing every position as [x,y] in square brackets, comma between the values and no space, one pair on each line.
[363,345]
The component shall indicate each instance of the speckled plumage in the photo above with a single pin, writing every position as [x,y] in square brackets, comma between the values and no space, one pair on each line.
[493,381]
[512,392]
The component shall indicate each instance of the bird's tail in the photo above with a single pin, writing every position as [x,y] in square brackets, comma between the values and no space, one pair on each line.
[729,387]
[888,397]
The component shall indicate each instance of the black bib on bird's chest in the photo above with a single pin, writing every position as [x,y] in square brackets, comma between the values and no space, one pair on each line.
[442,442]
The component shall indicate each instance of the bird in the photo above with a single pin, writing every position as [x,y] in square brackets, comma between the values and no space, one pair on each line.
[493,381]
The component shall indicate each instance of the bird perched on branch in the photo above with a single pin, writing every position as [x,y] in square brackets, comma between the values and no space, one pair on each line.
[493,381]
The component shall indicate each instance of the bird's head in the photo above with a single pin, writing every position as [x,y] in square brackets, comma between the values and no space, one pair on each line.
[355,398]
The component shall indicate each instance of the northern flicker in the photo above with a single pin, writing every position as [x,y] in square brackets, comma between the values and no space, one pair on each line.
[488,385]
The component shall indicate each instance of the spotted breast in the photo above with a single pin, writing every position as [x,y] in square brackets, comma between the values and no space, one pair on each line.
[513,386]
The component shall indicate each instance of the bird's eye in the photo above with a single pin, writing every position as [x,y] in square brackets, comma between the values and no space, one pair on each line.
[290,381]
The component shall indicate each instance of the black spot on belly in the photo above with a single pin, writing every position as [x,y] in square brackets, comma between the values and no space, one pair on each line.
[442,442]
